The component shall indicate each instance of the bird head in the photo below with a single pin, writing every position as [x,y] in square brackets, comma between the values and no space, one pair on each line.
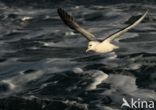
[92,46]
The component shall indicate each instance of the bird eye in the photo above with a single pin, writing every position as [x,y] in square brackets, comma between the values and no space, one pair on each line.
[90,45]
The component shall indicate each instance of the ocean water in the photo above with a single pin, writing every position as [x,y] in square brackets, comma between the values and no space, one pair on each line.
[44,66]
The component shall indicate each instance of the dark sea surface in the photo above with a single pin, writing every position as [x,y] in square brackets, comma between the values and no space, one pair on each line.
[44,66]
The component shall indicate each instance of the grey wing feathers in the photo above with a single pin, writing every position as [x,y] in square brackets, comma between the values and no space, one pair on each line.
[71,22]
[124,30]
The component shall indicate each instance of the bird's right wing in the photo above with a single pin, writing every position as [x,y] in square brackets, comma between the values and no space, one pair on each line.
[71,22]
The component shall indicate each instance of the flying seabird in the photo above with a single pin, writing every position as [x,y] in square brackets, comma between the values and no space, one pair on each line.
[99,46]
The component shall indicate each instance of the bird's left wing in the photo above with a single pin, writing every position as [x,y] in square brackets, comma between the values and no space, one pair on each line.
[124,30]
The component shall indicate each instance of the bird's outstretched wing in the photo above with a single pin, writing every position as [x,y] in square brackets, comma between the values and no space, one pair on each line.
[71,22]
[124,30]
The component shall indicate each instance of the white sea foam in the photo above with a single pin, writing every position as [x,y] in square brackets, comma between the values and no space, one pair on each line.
[77,70]
[21,79]
[98,78]
[25,18]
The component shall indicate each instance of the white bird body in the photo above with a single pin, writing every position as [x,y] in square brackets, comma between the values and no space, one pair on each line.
[104,46]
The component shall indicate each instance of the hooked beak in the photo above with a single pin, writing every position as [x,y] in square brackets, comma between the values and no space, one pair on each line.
[87,50]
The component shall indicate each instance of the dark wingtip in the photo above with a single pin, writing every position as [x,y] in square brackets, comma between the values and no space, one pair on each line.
[59,10]
[64,15]
[73,24]
[67,18]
